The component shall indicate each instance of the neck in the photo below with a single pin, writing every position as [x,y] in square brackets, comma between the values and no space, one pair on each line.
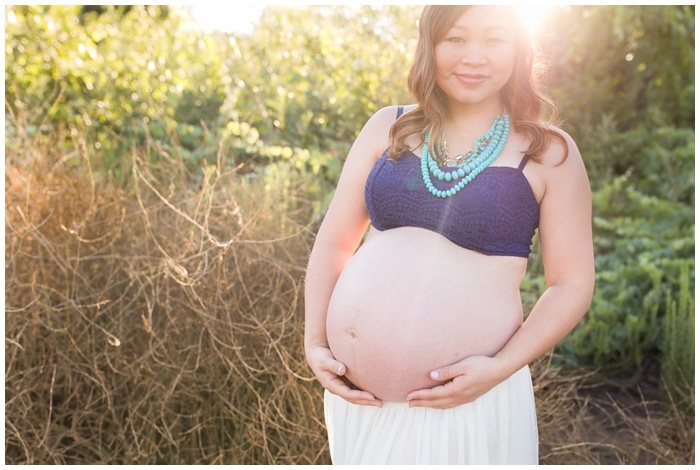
[466,116]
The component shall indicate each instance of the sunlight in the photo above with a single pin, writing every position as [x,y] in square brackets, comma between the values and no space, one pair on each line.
[533,15]
[232,19]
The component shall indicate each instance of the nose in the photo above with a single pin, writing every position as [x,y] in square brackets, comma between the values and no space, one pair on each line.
[473,53]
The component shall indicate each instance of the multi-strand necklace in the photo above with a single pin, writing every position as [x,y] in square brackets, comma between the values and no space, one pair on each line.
[486,150]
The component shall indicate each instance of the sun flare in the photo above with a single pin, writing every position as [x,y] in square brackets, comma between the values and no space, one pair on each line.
[534,15]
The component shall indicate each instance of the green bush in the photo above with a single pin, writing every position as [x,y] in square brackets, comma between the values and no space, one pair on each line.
[657,161]
[642,244]
[678,345]
[633,62]
[128,76]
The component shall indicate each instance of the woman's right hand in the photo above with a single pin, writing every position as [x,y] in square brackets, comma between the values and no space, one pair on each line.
[330,372]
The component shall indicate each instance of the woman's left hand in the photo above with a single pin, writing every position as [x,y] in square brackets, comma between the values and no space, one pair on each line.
[467,380]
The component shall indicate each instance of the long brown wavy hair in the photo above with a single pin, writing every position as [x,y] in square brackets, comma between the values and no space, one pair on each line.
[530,110]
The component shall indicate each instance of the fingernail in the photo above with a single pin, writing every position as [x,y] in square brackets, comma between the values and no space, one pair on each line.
[340,369]
[435,375]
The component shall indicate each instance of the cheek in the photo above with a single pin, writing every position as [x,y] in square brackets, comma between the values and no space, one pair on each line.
[443,58]
[506,63]
[508,68]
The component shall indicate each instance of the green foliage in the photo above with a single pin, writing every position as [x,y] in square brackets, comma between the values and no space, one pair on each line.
[642,244]
[363,54]
[658,162]
[121,77]
[623,77]
[633,62]
[314,88]
[109,74]
[678,346]
[103,72]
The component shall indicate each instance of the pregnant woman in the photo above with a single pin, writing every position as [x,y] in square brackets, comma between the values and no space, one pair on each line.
[418,336]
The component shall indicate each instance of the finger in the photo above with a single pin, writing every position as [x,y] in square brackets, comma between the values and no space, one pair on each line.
[444,373]
[442,396]
[340,386]
[437,392]
[335,366]
[441,403]
[358,397]
[447,401]
[324,360]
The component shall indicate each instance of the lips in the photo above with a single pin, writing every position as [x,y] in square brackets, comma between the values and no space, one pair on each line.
[471,78]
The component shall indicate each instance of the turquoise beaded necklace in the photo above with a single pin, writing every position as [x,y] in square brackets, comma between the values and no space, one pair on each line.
[486,150]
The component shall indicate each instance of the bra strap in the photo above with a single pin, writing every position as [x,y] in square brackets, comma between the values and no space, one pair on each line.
[523,162]
[399,112]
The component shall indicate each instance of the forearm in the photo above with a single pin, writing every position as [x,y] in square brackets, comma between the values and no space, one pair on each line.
[555,314]
[326,262]
[325,265]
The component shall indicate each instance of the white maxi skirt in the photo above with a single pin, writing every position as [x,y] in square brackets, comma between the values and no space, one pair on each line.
[499,427]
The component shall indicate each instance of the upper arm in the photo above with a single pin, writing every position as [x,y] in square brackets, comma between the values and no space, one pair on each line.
[565,226]
[347,218]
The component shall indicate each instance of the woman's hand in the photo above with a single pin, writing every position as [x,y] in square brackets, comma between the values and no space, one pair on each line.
[330,372]
[467,379]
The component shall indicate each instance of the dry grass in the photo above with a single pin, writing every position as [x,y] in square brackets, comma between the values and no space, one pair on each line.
[161,323]
[583,418]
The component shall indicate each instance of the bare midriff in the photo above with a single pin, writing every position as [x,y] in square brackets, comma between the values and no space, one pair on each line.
[410,301]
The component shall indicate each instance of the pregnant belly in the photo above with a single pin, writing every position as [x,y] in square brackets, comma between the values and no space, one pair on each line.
[410,301]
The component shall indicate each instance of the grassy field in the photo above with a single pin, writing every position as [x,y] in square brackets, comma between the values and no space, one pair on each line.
[161,321]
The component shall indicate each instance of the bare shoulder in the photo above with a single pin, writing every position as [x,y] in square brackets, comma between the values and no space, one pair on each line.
[373,139]
[562,157]
[409,108]
[561,148]
[375,133]
[562,166]
[383,119]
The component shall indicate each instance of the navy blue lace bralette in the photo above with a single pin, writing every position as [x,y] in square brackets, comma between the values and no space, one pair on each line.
[495,214]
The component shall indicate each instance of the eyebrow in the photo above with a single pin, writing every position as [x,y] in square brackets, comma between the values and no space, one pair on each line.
[490,28]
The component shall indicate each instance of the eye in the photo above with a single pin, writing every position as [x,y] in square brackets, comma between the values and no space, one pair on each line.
[496,40]
[454,39]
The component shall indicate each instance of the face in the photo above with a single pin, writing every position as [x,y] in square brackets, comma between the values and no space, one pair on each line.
[475,58]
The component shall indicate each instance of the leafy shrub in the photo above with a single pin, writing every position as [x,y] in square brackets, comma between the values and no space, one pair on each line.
[632,62]
[128,76]
[642,244]
[658,161]
[678,345]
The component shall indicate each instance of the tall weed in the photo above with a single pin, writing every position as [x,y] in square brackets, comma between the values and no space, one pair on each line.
[678,366]
[160,323]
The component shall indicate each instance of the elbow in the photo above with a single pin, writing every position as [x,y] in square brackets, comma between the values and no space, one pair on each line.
[585,292]
[576,292]
[588,287]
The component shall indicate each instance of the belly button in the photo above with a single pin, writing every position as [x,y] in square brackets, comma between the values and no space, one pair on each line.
[352,333]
